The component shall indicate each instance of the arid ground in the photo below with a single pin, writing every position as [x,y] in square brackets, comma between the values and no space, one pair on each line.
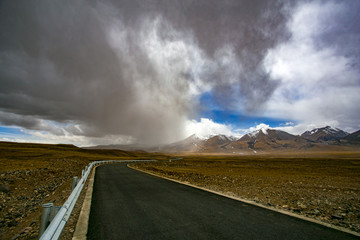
[34,174]
[323,186]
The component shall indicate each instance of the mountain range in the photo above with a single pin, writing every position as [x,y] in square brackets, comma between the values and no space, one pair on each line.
[262,140]
[324,134]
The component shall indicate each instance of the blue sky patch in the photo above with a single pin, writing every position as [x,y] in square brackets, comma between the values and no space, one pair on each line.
[10,130]
[210,109]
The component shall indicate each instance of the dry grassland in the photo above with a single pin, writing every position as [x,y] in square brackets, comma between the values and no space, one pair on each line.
[324,186]
[34,174]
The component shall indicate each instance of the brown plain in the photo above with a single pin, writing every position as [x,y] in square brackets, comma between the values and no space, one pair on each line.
[320,185]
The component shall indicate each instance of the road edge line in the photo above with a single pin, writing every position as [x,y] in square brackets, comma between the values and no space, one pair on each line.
[253,203]
[83,220]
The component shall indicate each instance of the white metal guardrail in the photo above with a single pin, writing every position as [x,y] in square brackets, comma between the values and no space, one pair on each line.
[56,226]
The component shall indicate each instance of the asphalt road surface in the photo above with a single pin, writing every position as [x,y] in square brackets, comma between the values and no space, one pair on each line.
[128,204]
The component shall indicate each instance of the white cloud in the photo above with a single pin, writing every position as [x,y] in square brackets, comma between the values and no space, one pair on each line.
[258,127]
[243,131]
[319,85]
[207,127]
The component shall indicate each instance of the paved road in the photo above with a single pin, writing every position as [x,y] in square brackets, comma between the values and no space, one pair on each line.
[128,204]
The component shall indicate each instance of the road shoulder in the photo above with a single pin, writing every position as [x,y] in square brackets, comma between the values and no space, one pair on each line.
[83,221]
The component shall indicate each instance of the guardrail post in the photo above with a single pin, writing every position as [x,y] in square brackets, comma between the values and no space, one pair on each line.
[54,210]
[75,181]
[45,217]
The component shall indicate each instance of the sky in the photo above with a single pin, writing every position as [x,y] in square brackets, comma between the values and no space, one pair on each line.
[92,72]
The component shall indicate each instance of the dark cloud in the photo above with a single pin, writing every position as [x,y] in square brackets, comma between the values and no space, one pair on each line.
[249,27]
[131,67]
[343,34]
[24,121]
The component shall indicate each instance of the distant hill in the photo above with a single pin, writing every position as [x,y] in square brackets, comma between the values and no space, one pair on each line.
[125,147]
[190,144]
[353,138]
[41,152]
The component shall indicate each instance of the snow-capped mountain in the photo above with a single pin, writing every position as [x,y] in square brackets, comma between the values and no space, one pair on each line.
[267,138]
[267,133]
[261,140]
[216,143]
[218,139]
[194,143]
[324,134]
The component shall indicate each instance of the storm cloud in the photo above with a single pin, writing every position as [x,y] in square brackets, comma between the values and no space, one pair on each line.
[137,69]
[133,68]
